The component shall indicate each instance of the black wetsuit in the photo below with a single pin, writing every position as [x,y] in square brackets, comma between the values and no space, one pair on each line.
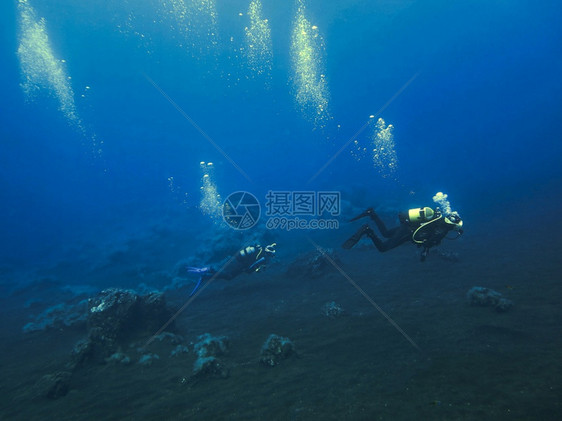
[246,260]
[428,236]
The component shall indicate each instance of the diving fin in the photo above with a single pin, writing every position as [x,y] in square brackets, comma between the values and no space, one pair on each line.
[368,212]
[196,286]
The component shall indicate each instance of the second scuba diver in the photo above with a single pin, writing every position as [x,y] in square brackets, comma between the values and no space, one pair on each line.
[423,226]
[250,259]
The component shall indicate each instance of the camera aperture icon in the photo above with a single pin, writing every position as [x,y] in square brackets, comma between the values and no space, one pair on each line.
[241,210]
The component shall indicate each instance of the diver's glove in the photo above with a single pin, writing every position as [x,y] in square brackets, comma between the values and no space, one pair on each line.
[368,212]
[198,270]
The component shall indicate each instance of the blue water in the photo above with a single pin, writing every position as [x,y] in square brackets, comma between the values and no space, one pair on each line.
[472,89]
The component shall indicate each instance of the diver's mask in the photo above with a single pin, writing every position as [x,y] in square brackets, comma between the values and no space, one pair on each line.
[455,220]
[420,215]
[270,249]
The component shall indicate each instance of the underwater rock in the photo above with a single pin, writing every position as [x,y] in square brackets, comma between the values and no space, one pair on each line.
[275,349]
[115,316]
[313,264]
[170,337]
[209,367]
[332,310]
[118,358]
[59,316]
[503,304]
[485,297]
[207,349]
[113,310]
[153,310]
[83,351]
[95,348]
[53,386]
[179,349]
[119,312]
[148,358]
[210,346]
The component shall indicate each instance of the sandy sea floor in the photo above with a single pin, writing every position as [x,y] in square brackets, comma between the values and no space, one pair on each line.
[473,363]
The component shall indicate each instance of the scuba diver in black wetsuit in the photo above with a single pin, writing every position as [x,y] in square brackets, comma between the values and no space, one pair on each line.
[250,259]
[423,226]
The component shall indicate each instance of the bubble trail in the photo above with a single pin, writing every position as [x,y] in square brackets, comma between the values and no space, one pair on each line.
[39,66]
[307,50]
[210,203]
[42,71]
[258,41]
[196,21]
[384,150]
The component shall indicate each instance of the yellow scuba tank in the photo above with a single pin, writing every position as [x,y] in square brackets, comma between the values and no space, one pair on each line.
[248,250]
[420,215]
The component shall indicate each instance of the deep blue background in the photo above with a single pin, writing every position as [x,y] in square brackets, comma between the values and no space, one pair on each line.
[480,121]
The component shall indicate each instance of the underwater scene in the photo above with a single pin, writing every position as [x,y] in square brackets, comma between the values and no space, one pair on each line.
[281,210]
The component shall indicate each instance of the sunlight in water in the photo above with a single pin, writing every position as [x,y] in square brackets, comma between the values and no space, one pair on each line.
[40,69]
[384,153]
[210,198]
[307,51]
[258,41]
